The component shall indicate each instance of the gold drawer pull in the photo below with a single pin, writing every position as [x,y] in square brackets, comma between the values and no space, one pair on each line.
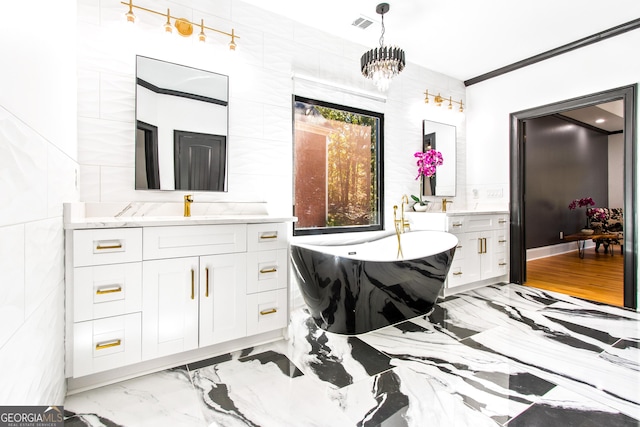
[459,273]
[457,224]
[108,344]
[206,291]
[502,221]
[269,236]
[99,247]
[268,270]
[193,284]
[459,247]
[265,312]
[110,290]
[502,264]
[502,241]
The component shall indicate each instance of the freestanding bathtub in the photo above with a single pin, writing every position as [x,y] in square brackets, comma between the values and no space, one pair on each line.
[352,288]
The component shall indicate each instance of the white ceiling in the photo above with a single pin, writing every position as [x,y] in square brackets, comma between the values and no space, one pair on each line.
[463,38]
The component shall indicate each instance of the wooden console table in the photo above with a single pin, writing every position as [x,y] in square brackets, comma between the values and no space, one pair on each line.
[581,238]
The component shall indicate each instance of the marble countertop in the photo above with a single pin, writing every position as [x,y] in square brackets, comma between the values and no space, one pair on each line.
[459,212]
[79,216]
[158,221]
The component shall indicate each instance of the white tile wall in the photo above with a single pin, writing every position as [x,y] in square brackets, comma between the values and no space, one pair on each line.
[36,177]
[38,152]
[271,48]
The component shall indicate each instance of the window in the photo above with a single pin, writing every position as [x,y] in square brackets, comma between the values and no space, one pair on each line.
[337,168]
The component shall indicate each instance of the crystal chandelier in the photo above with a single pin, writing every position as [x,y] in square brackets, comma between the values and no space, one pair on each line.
[383,63]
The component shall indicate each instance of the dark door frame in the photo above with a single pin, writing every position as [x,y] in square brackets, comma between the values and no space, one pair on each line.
[517,191]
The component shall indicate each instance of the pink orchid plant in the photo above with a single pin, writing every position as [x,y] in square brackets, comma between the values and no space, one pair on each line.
[581,203]
[427,162]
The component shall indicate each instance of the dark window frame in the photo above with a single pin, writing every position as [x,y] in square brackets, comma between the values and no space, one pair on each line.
[379,168]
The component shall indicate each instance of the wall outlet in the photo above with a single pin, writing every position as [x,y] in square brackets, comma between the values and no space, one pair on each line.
[494,193]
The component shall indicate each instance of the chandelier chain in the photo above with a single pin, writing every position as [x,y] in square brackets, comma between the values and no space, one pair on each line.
[382,34]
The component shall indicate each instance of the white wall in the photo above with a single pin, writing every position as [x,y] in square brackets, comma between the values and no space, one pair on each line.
[37,173]
[574,74]
[616,170]
[270,50]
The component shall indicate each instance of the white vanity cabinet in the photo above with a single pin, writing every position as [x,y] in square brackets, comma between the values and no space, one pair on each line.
[482,253]
[144,293]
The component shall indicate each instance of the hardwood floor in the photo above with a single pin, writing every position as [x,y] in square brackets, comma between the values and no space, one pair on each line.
[597,277]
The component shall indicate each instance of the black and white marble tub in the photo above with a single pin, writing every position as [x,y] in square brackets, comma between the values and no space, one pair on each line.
[353,288]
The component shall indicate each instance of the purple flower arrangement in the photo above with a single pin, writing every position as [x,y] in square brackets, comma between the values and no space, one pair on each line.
[427,162]
[581,203]
[597,214]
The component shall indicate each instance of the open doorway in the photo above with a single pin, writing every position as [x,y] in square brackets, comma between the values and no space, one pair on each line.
[550,116]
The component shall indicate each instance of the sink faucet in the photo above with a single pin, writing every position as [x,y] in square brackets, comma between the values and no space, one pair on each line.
[188,199]
[444,204]
[404,224]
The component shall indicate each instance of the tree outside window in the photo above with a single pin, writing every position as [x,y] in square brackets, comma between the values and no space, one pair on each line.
[337,168]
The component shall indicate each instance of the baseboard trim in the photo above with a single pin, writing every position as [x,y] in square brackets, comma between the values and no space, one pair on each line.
[562,248]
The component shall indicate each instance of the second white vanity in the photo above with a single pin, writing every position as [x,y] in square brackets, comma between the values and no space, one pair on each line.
[482,254]
[149,291]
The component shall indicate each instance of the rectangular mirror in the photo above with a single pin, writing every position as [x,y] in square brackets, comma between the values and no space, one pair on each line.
[441,137]
[181,127]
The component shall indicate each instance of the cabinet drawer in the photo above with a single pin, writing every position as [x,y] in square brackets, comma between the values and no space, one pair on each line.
[456,224]
[99,345]
[266,237]
[501,242]
[173,242]
[503,264]
[106,246]
[266,271]
[266,311]
[107,290]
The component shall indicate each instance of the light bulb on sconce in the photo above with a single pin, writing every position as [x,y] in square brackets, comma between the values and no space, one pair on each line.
[167,26]
[438,100]
[131,18]
[202,36]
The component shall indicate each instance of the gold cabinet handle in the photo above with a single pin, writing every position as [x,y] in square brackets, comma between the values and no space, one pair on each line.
[502,221]
[269,236]
[502,264]
[109,290]
[480,245]
[271,311]
[193,284]
[502,241]
[108,344]
[100,247]
[457,224]
[459,247]
[268,270]
[206,289]
[458,273]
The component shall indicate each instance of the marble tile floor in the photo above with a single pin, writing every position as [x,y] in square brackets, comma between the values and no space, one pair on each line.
[503,355]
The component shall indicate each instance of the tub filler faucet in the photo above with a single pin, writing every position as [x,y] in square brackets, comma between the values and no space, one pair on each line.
[399,230]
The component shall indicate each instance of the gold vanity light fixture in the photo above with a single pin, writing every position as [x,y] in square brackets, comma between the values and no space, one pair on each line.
[438,100]
[383,63]
[182,25]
